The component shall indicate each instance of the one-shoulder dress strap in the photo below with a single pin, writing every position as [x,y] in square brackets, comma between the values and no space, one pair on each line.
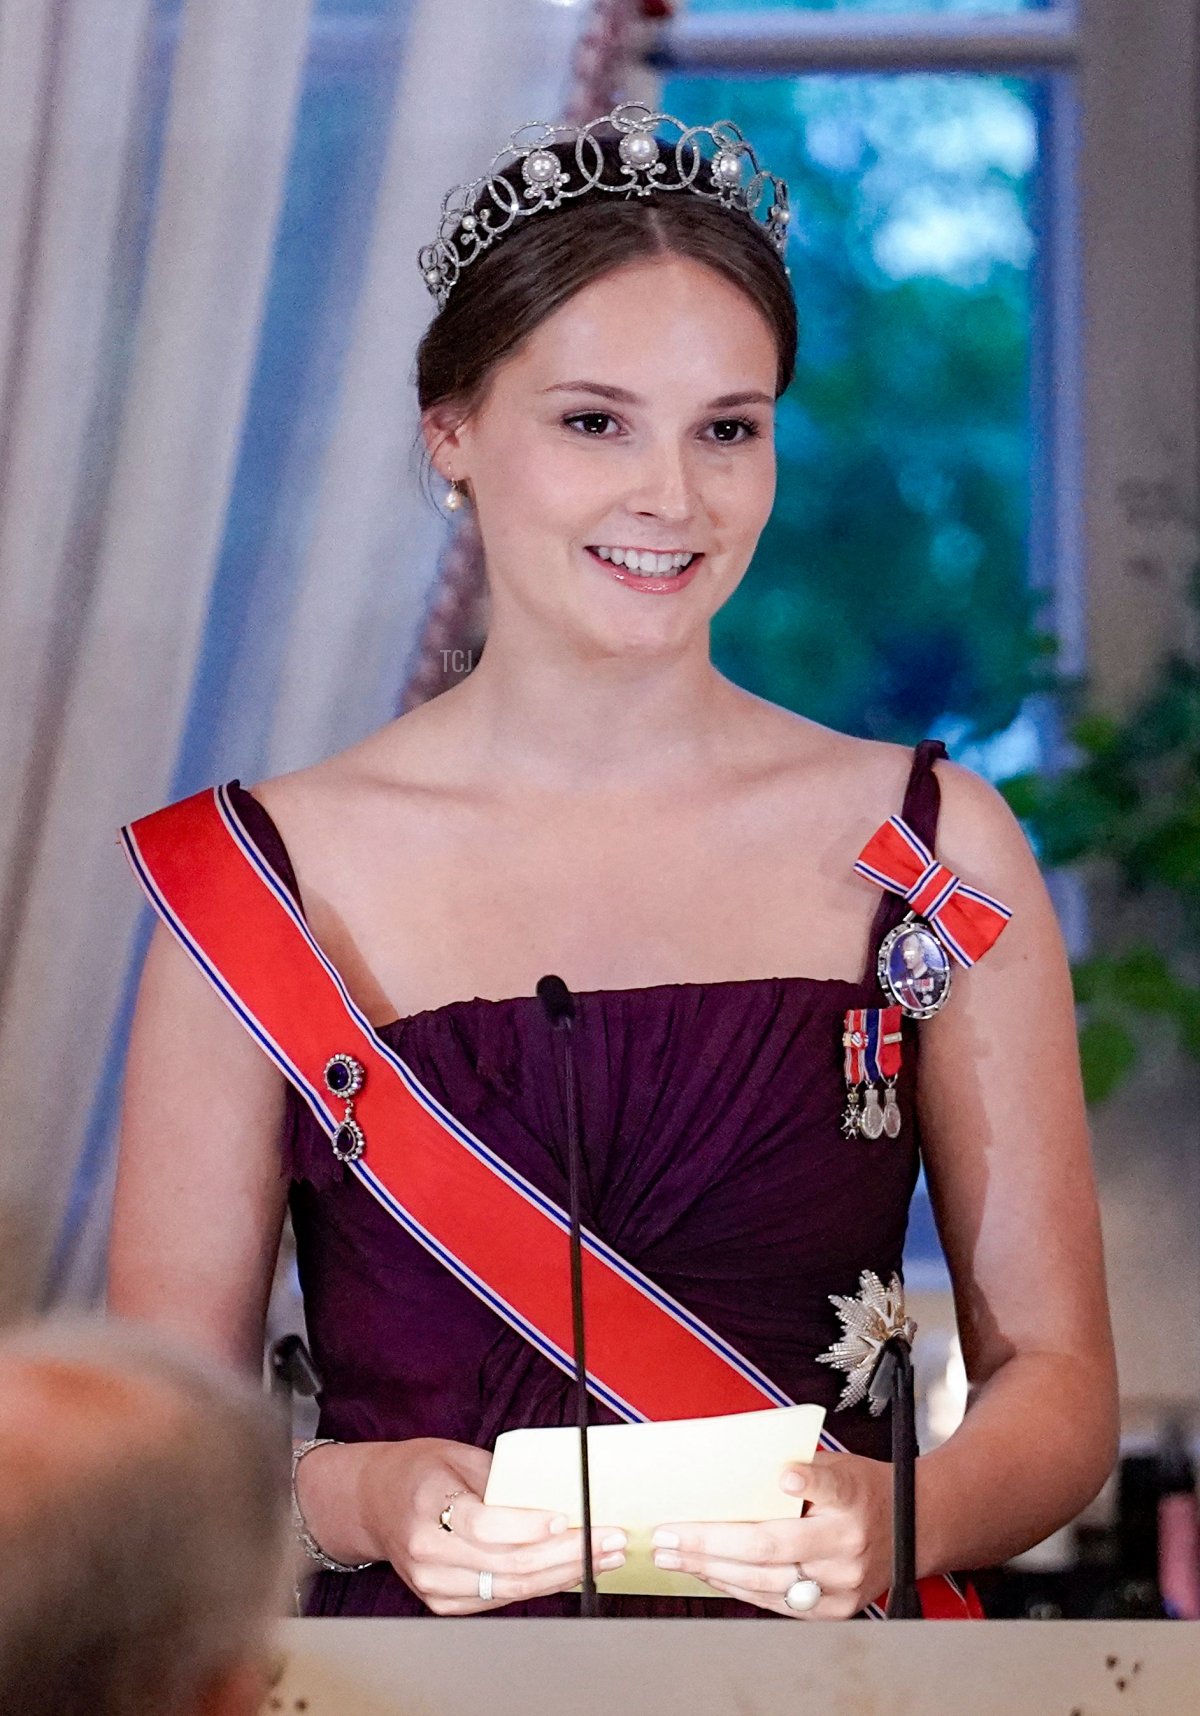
[922,801]
[923,794]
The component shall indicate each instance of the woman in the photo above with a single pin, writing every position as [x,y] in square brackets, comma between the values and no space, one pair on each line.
[597,799]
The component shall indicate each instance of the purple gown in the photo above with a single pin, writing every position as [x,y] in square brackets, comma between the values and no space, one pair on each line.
[711,1125]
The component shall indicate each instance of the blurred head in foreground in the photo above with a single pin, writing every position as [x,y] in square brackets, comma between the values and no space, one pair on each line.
[143,1508]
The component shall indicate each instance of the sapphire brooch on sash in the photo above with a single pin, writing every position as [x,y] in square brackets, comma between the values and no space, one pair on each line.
[344,1078]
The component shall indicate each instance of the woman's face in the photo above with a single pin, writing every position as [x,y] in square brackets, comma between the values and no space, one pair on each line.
[638,418]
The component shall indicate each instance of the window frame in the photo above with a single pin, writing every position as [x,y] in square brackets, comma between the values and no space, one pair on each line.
[1114,521]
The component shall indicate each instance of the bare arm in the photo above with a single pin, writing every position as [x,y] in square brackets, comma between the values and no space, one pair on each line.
[196,1224]
[1009,1169]
[199,1197]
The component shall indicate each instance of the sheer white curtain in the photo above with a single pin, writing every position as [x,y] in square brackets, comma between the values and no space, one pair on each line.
[68,117]
[104,620]
[472,72]
[126,368]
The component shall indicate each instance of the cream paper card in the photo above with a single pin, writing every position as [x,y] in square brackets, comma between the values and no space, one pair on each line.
[646,1475]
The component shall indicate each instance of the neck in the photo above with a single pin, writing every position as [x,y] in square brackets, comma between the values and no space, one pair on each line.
[551,720]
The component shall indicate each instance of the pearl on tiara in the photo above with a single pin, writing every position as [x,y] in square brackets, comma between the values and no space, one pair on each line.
[656,153]
[638,148]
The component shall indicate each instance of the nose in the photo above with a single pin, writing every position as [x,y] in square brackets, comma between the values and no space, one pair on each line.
[665,488]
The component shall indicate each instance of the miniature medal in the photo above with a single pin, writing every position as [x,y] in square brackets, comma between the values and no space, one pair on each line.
[871,1038]
[871,1123]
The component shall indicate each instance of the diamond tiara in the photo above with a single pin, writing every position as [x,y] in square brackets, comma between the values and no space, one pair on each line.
[712,161]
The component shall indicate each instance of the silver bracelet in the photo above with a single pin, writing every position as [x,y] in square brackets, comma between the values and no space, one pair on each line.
[307,1541]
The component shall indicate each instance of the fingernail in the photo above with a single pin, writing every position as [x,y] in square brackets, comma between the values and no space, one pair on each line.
[665,1539]
[793,1483]
[558,1524]
[611,1561]
[613,1540]
[665,1558]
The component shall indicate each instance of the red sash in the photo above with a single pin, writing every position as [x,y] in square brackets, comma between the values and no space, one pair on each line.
[494,1230]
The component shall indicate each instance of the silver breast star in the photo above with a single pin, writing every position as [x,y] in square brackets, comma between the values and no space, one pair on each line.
[868,1322]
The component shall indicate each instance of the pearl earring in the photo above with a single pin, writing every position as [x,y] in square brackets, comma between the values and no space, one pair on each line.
[454,497]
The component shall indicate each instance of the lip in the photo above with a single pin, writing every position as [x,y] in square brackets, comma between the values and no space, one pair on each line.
[639,581]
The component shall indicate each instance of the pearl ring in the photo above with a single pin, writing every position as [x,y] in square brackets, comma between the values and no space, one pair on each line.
[803,1594]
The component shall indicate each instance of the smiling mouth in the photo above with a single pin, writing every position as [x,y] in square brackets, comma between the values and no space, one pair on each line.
[646,562]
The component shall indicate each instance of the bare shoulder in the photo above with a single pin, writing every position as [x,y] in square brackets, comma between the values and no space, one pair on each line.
[981,840]
[845,786]
[978,833]
[400,763]
[974,815]
[857,781]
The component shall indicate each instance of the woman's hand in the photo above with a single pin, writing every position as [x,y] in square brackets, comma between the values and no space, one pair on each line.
[843,1541]
[403,1488]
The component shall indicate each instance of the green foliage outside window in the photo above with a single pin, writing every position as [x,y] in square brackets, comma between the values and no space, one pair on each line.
[1128,816]
[890,594]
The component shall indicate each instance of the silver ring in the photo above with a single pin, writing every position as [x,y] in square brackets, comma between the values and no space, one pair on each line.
[485,1587]
[803,1594]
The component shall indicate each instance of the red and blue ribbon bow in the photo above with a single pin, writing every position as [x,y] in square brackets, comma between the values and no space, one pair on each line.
[967,921]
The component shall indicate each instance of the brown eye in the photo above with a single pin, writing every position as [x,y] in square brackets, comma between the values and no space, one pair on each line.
[730,430]
[591,422]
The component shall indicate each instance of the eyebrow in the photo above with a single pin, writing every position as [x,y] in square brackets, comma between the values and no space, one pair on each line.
[622,395]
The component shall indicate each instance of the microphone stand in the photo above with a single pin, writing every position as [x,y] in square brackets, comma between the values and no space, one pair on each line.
[559,1005]
[894,1376]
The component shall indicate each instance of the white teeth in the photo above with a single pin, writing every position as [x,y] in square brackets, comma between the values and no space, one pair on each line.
[646,564]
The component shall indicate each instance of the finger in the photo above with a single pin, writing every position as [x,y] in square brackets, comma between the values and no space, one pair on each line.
[438,1549]
[475,1520]
[503,1527]
[771,1542]
[761,1579]
[827,1482]
[436,1584]
[743,1594]
[836,1606]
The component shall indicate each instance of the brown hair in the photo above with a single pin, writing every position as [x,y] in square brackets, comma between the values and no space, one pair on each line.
[545,258]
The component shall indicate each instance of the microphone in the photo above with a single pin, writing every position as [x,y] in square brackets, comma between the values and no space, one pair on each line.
[893,1376]
[559,1006]
[292,1370]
